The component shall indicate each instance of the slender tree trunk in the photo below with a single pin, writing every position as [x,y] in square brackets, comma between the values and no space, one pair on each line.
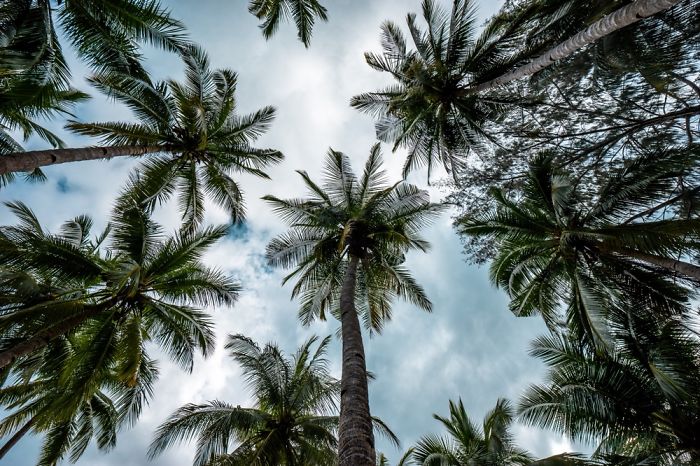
[46,336]
[16,438]
[355,436]
[684,268]
[625,16]
[28,161]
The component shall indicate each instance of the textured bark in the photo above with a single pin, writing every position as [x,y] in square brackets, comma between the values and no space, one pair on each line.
[16,438]
[684,268]
[45,337]
[31,160]
[355,436]
[619,19]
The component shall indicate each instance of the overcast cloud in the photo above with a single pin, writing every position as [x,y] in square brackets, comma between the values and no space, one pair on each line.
[471,346]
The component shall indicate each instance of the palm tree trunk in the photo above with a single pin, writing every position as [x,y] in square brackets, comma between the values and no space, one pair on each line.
[31,160]
[684,268]
[355,437]
[16,438]
[46,336]
[625,16]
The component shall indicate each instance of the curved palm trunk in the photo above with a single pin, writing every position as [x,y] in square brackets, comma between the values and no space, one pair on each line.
[625,16]
[46,336]
[16,438]
[31,160]
[684,268]
[355,437]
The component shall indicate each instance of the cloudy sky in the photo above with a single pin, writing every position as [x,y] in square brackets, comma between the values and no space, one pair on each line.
[471,346]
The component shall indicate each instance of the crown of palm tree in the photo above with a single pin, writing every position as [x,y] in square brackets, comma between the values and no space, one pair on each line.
[302,12]
[429,110]
[105,33]
[556,246]
[492,444]
[194,126]
[44,399]
[468,444]
[34,77]
[292,422]
[143,288]
[639,403]
[346,216]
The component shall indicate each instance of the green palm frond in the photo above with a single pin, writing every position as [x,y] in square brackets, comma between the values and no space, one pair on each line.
[573,258]
[291,421]
[302,12]
[350,216]
[91,307]
[198,140]
[429,110]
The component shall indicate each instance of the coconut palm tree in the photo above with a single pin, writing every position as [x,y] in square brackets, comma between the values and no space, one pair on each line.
[347,243]
[45,399]
[302,12]
[639,403]
[612,21]
[292,423]
[105,33]
[95,416]
[34,78]
[446,89]
[26,36]
[490,445]
[556,245]
[189,130]
[142,288]
[428,109]
[403,461]
[468,444]
[22,101]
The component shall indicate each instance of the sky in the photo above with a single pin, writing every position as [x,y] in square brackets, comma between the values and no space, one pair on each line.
[471,346]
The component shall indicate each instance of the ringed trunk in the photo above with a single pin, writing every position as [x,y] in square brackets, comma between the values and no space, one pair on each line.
[684,268]
[16,438]
[618,19]
[355,436]
[46,336]
[31,160]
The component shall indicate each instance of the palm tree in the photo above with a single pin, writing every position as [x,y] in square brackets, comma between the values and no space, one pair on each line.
[428,110]
[556,245]
[490,445]
[446,89]
[105,33]
[195,138]
[45,400]
[22,101]
[347,242]
[34,78]
[302,12]
[292,422]
[403,461]
[142,288]
[639,403]
[468,444]
[95,416]
[631,13]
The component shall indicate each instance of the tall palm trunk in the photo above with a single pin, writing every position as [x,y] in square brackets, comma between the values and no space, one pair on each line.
[46,336]
[684,268]
[31,160]
[618,19]
[355,437]
[16,438]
